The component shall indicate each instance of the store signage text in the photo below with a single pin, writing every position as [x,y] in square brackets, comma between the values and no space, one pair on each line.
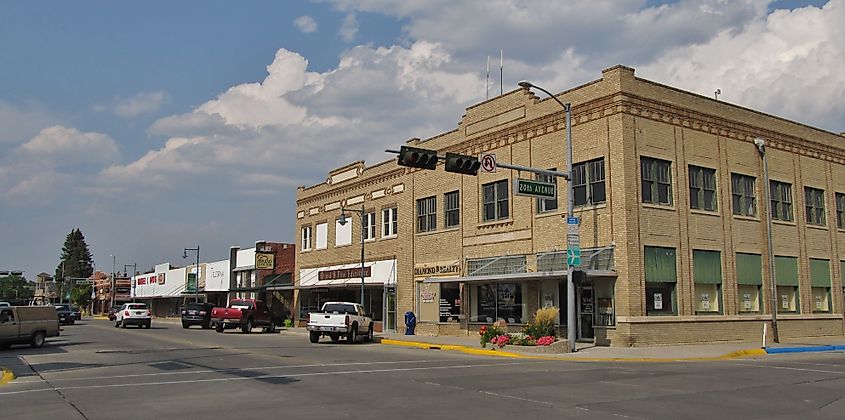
[343,273]
[264,261]
[451,268]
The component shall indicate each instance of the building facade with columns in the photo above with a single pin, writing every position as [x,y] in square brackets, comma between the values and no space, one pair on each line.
[670,195]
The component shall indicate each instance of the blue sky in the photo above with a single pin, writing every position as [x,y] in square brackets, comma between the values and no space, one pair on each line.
[157,125]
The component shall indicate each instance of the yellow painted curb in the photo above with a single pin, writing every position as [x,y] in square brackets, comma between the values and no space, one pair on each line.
[499,353]
[8,376]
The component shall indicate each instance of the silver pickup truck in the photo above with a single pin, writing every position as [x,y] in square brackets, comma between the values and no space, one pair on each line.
[338,319]
[27,324]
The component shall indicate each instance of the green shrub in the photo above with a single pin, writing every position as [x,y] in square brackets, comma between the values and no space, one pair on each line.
[488,333]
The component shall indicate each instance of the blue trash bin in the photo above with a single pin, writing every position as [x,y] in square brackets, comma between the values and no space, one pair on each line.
[410,323]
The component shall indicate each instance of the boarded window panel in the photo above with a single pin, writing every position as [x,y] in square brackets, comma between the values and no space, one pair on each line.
[660,265]
[819,273]
[749,269]
[786,271]
[707,266]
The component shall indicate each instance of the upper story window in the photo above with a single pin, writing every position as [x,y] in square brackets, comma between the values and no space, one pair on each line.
[369,226]
[452,210]
[588,182]
[495,201]
[547,204]
[781,197]
[306,238]
[656,181]
[702,188]
[322,235]
[427,214]
[814,203]
[742,190]
[389,225]
[840,210]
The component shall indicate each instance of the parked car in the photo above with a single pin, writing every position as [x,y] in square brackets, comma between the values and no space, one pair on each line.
[340,319]
[77,313]
[244,314]
[197,313]
[27,324]
[65,314]
[5,304]
[113,312]
[133,314]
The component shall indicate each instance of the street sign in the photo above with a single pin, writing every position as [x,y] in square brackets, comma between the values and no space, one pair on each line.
[534,188]
[488,162]
[573,256]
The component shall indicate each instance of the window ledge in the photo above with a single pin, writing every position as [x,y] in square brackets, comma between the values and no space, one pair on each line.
[430,232]
[384,238]
[590,207]
[667,207]
[495,224]
[342,246]
[705,212]
[547,214]
[302,251]
[746,218]
[369,240]
[784,222]
[452,229]
[816,227]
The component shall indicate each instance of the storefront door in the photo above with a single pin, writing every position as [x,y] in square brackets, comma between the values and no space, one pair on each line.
[585,313]
[390,309]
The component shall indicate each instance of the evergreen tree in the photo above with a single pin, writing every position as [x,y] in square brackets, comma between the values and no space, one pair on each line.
[76,260]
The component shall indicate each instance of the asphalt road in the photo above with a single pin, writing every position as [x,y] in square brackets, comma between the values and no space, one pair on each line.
[95,371]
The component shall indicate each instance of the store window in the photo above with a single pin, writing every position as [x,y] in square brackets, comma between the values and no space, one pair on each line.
[369,226]
[389,225]
[588,182]
[495,202]
[781,197]
[306,238]
[605,312]
[786,280]
[452,210]
[449,307]
[493,301]
[660,279]
[749,279]
[743,196]
[656,180]
[820,283]
[545,205]
[702,188]
[707,275]
[840,210]
[427,214]
[814,204]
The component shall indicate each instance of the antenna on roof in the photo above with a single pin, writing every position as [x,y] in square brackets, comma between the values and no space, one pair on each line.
[717,93]
[487,83]
[501,72]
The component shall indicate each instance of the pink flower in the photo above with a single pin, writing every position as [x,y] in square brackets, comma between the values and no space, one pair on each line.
[545,341]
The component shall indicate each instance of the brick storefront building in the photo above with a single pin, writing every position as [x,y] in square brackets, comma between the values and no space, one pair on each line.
[670,192]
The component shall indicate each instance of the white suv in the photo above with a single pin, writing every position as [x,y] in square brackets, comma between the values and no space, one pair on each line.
[133,314]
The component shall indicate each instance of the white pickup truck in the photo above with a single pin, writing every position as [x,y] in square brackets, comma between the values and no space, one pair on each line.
[338,319]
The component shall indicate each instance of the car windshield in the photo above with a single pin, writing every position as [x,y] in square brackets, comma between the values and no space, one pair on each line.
[63,307]
[195,306]
[240,304]
[340,308]
[137,306]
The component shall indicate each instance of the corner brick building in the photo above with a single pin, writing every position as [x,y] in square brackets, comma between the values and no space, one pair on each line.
[669,190]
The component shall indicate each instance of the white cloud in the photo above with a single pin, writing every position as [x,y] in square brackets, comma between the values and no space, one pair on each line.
[20,122]
[67,146]
[141,103]
[349,28]
[305,24]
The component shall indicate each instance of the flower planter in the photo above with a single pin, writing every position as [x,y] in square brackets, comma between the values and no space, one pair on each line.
[560,346]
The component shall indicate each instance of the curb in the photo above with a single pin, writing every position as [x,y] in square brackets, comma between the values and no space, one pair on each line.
[808,349]
[8,375]
[499,353]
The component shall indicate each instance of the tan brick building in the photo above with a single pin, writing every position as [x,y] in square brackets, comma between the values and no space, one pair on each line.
[669,189]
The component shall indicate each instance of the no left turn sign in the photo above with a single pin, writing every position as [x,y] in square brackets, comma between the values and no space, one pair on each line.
[488,162]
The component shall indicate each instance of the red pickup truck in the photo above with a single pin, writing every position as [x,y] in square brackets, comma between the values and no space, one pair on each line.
[244,314]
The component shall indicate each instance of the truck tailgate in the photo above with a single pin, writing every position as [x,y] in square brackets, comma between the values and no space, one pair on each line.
[226,313]
[324,319]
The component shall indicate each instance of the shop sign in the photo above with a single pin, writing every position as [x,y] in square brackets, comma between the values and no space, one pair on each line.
[142,280]
[161,279]
[319,290]
[438,269]
[343,273]
[264,261]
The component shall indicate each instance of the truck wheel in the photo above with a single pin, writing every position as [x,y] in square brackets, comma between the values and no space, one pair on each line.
[206,325]
[314,336]
[370,334]
[185,324]
[353,331]
[270,328]
[219,327]
[247,328]
[37,339]
[148,324]
[116,323]
[335,338]
[123,324]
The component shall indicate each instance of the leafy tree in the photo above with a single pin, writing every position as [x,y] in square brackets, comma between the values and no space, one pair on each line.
[76,261]
[81,295]
[15,287]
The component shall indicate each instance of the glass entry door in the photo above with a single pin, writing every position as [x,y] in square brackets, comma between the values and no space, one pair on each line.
[390,309]
[585,313]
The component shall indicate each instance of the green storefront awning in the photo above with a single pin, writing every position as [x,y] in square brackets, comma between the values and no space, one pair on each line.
[707,266]
[786,271]
[819,273]
[749,269]
[660,265]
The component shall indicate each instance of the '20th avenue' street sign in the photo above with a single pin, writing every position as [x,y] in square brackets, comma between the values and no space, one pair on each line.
[534,188]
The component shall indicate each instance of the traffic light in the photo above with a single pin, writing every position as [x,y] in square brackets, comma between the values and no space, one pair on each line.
[462,164]
[417,158]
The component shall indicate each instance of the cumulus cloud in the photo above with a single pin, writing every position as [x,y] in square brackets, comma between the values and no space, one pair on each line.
[305,24]
[20,122]
[141,103]
[349,28]
[65,146]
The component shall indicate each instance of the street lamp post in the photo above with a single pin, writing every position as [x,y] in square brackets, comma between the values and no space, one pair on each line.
[342,222]
[761,147]
[196,271]
[570,283]
[113,262]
